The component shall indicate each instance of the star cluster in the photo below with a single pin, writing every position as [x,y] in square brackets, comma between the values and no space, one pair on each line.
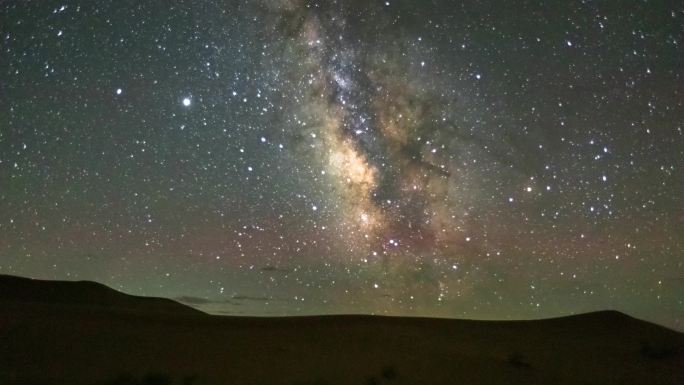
[282,157]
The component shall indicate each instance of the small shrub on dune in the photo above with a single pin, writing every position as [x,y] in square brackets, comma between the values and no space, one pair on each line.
[518,360]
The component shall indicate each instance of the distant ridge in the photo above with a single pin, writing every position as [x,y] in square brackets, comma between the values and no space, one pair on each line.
[89,293]
[84,293]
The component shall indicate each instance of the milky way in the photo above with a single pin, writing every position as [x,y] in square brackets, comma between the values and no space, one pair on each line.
[479,160]
[375,137]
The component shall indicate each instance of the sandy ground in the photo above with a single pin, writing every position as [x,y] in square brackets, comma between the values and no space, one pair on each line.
[48,339]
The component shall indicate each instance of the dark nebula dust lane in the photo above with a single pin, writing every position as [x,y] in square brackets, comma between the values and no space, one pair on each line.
[285,157]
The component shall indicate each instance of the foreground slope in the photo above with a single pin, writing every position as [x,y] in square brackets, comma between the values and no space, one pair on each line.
[85,333]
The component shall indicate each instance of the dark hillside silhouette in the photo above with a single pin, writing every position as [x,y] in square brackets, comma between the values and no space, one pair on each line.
[85,333]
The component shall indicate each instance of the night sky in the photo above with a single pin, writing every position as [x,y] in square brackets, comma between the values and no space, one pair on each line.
[490,160]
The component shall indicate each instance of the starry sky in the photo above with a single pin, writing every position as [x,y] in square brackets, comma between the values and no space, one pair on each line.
[478,159]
